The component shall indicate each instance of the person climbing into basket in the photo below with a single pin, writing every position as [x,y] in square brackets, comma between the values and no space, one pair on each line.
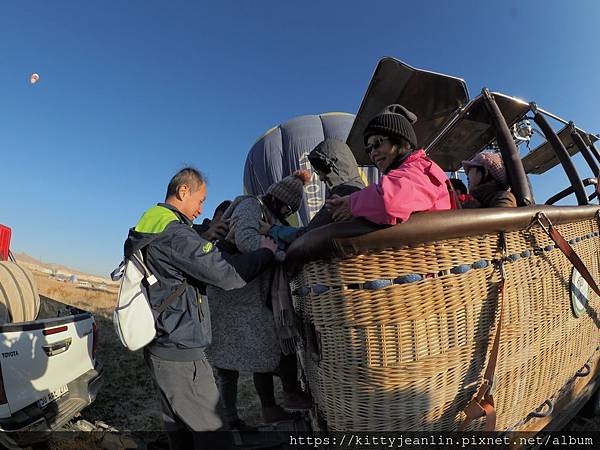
[411,181]
[488,183]
[248,331]
[336,166]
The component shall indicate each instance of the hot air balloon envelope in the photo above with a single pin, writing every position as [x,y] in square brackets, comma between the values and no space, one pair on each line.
[34,78]
[284,149]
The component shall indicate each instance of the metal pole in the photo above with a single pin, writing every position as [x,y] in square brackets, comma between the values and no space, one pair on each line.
[583,149]
[553,116]
[450,124]
[594,151]
[509,151]
[562,154]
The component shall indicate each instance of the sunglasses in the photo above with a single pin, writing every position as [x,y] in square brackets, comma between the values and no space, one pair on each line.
[284,209]
[375,145]
[287,210]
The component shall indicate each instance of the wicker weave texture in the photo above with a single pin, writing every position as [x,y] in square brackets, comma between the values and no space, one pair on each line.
[398,355]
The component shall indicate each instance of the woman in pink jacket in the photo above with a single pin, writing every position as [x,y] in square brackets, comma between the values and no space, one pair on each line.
[411,182]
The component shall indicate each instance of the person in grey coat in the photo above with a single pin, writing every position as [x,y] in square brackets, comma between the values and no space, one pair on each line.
[244,332]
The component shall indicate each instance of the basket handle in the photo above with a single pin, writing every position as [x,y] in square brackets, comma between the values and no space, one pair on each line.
[567,250]
[483,403]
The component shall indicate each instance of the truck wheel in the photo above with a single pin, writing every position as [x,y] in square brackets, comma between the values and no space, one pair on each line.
[19,298]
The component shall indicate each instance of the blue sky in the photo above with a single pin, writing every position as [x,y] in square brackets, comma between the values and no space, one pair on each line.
[131,91]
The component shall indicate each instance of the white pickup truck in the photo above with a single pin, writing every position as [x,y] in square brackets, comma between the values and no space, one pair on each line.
[48,372]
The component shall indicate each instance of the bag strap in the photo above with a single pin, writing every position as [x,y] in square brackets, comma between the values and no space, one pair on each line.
[138,258]
[172,297]
[483,403]
[150,276]
[567,250]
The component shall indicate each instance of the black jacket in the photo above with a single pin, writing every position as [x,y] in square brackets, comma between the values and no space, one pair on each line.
[174,252]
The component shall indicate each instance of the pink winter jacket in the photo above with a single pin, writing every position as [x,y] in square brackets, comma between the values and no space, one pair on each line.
[418,184]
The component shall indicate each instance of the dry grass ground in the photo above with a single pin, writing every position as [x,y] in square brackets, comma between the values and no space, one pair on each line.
[127,400]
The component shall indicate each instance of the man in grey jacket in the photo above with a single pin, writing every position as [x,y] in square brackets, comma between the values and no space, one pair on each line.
[185,262]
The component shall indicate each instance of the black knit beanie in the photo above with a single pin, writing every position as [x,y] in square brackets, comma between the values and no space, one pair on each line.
[395,121]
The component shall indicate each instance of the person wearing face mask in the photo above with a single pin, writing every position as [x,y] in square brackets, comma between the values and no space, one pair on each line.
[411,181]
[245,334]
[336,166]
[488,183]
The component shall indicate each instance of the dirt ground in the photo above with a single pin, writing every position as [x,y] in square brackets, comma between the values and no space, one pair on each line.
[127,400]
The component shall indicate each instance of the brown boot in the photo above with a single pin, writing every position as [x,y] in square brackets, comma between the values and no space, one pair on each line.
[297,400]
[277,414]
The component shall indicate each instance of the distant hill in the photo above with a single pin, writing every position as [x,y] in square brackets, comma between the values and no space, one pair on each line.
[24,257]
[36,264]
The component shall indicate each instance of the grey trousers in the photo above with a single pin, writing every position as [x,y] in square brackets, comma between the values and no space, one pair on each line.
[188,397]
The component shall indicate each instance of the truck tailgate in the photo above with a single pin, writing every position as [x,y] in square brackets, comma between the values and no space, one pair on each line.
[39,358]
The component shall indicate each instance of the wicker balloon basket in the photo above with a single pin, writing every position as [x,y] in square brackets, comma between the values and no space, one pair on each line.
[399,338]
